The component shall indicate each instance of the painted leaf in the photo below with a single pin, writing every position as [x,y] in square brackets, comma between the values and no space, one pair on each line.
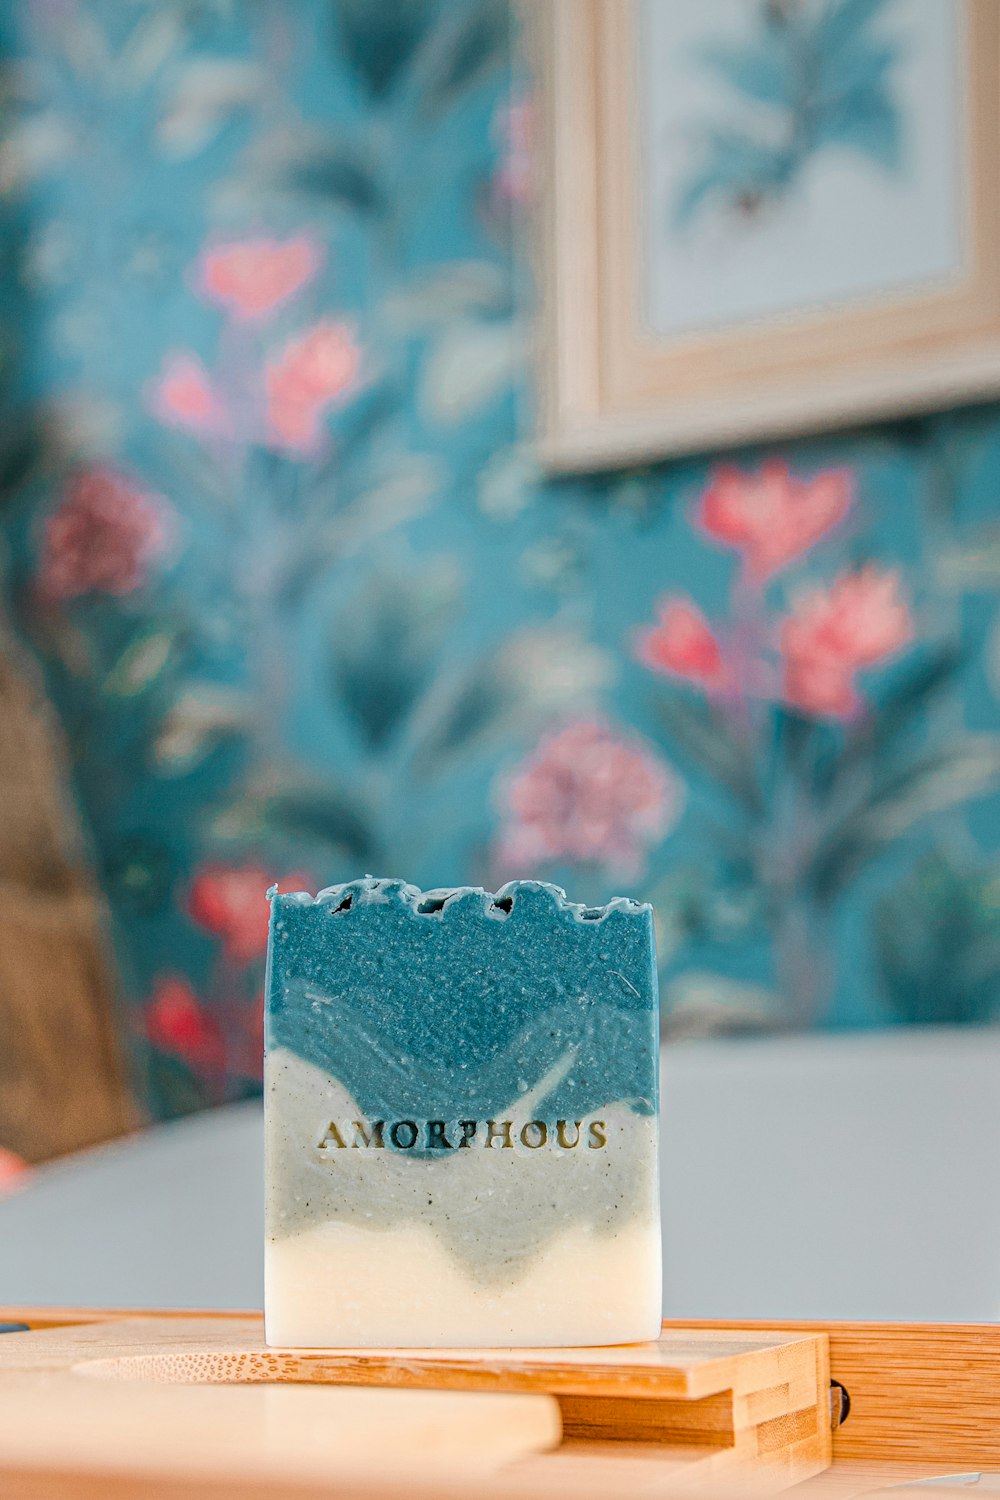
[840,25]
[798,742]
[936,937]
[32,148]
[857,71]
[759,71]
[323,817]
[139,871]
[384,648]
[202,717]
[448,292]
[406,490]
[901,712]
[472,364]
[140,664]
[557,668]
[972,562]
[23,448]
[508,482]
[945,777]
[480,707]
[473,39]
[378,40]
[825,79]
[82,41]
[296,820]
[737,168]
[870,124]
[155,39]
[704,743]
[340,172]
[209,90]
[364,423]
[531,677]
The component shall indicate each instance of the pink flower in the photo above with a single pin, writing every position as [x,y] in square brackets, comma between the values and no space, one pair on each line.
[682,644]
[514,125]
[773,517]
[103,538]
[254,277]
[14,1171]
[229,901]
[835,632]
[183,395]
[312,372]
[176,1023]
[587,796]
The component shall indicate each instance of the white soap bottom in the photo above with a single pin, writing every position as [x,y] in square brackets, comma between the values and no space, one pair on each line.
[336,1285]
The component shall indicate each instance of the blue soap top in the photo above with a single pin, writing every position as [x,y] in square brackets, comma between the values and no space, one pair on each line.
[455,1001]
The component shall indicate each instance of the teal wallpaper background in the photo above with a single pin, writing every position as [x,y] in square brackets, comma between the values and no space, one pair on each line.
[307,609]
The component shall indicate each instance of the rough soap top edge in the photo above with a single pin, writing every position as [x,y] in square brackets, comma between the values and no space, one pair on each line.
[373,890]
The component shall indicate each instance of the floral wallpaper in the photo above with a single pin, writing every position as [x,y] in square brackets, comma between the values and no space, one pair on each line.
[275,532]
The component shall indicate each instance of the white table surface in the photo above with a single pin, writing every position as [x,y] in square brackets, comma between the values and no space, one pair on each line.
[831,1177]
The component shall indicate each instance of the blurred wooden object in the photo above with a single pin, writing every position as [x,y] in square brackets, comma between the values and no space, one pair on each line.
[116,1397]
[62,1081]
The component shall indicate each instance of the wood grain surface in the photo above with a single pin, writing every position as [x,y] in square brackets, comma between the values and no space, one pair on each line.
[920,1392]
[692,1408]
[925,1401]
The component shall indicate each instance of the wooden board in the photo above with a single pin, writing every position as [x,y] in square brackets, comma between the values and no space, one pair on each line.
[696,1407]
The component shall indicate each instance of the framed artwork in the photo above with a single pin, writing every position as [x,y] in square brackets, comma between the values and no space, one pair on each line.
[763,217]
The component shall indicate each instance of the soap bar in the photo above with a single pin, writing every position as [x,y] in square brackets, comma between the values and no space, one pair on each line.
[461,1119]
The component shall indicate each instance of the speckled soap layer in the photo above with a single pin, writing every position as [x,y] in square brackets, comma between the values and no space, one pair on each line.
[461,1096]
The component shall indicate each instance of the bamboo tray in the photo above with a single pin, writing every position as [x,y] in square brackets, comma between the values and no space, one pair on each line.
[114,1405]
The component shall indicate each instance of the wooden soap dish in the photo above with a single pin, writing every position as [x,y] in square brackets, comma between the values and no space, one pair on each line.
[184,1406]
[114,1405]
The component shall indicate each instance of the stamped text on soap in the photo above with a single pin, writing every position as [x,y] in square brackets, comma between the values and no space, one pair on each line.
[446,1135]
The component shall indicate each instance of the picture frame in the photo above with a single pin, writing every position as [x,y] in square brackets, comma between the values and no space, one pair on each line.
[615,390]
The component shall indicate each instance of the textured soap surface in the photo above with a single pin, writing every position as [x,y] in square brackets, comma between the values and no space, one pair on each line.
[461,1118]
